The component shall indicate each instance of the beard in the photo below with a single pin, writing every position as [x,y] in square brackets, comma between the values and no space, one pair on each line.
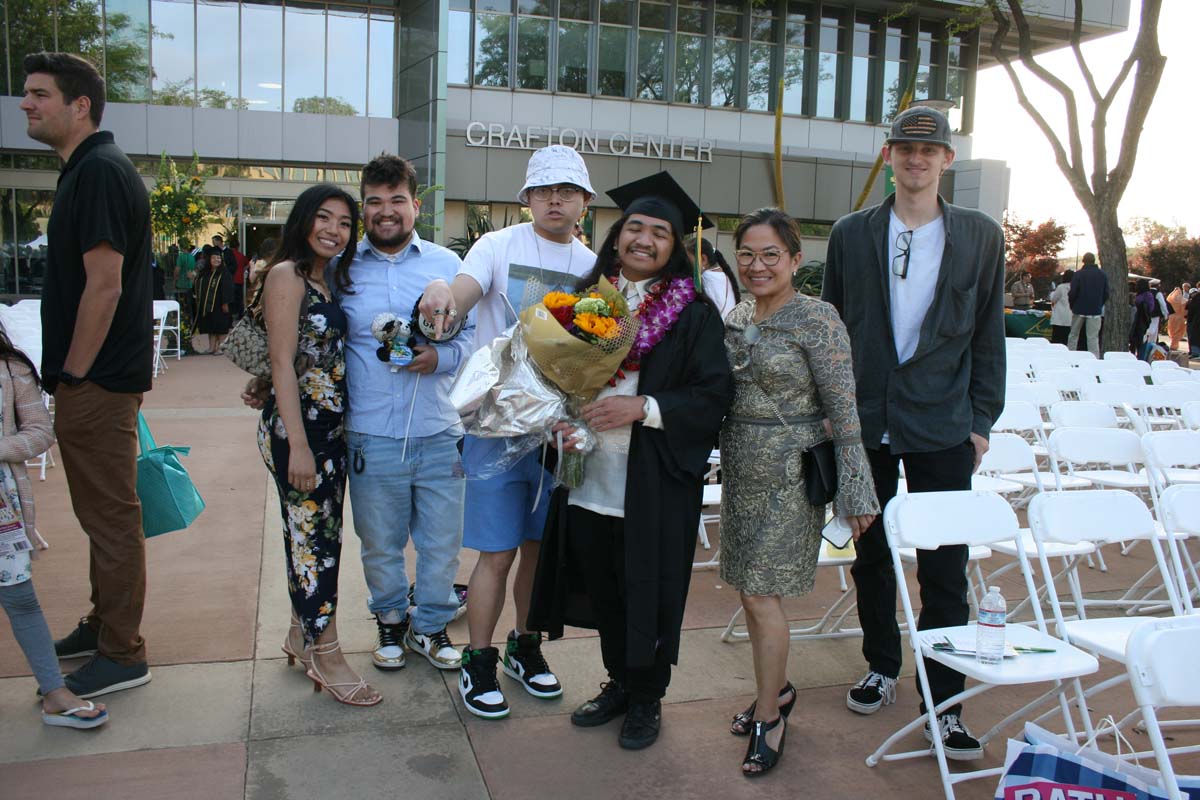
[395,240]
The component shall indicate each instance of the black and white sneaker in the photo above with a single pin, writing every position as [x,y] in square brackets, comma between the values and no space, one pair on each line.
[389,651]
[435,646]
[83,641]
[523,661]
[957,741]
[873,691]
[477,683]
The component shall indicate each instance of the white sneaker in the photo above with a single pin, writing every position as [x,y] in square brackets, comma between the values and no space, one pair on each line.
[435,647]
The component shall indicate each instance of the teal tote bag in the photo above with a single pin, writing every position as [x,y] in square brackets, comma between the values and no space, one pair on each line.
[170,501]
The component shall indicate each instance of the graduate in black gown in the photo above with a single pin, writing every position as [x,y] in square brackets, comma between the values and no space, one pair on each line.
[617,551]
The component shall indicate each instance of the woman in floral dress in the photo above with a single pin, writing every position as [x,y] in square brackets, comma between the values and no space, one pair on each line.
[300,435]
[791,366]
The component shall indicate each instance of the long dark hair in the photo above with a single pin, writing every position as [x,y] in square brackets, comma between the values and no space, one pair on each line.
[9,351]
[715,256]
[608,263]
[293,242]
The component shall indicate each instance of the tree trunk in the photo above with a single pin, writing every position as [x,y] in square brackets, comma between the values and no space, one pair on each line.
[1110,242]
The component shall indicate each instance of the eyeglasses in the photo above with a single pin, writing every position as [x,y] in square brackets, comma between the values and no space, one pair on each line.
[769,258]
[564,193]
[900,262]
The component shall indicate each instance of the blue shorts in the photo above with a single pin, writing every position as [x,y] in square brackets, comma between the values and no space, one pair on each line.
[497,516]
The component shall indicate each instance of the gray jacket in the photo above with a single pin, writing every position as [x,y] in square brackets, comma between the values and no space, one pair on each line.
[954,383]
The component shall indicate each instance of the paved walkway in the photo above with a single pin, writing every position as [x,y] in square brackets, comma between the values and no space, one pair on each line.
[226,719]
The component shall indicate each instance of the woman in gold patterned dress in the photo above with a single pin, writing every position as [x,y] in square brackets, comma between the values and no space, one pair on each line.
[791,365]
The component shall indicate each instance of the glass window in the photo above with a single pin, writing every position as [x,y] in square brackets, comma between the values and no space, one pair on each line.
[761,85]
[491,49]
[494,6]
[691,17]
[25,262]
[653,15]
[956,78]
[575,9]
[864,52]
[381,67]
[652,48]
[927,70]
[127,50]
[729,20]
[689,69]
[458,64]
[174,52]
[617,11]
[726,55]
[262,56]
[799,38]
[613,60]
[895,72]
[346,72]
[304,60]
[217,54]
[539,8]
[573,56]
[533,45]
[832,45]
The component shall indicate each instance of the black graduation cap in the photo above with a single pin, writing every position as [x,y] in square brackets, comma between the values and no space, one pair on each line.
[660,196]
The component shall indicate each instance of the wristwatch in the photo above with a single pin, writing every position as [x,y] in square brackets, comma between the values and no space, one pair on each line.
[68,379]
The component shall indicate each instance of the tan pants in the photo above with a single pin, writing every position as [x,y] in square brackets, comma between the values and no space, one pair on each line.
[97,436]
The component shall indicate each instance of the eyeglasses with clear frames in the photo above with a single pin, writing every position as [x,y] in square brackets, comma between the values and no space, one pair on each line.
[565,192]
[769,258]
[900,262]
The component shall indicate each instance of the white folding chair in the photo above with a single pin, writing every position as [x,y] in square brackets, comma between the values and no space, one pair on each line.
[1126,401]
[1099,517]
[1015,376]
[168,312]
[711,499]
[1116,451]
[1164,403]
[1024,419]
[1175,375]
[1078,357]
[1121,376]
[1119,355]
[1038,343]
[928,520]
[1160,659]
[1067,381]
[1191,415]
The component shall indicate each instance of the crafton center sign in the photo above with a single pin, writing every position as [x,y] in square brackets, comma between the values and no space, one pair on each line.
[636,145]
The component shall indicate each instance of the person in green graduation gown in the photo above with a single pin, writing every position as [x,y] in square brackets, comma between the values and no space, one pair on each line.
[618,550]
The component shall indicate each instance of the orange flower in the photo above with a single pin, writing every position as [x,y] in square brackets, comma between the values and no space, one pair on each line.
[555,300]
[604,327]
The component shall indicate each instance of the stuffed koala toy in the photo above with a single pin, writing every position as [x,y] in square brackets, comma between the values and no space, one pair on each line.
[395,340]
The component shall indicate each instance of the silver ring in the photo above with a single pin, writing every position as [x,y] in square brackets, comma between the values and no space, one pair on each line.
[437,312]
[453,313]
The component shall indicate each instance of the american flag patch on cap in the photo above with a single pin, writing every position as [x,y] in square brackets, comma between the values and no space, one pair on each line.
[919,125]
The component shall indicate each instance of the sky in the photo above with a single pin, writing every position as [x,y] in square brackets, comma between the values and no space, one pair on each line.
[1162,186]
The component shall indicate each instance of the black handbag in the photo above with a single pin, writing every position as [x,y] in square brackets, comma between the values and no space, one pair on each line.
[820,473]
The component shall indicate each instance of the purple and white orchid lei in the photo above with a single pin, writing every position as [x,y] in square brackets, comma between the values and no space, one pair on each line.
[658,313]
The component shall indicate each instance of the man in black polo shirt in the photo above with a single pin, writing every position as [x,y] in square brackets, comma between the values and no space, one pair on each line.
[97,351]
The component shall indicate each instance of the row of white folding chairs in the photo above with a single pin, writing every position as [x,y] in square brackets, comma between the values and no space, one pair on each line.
[983,518]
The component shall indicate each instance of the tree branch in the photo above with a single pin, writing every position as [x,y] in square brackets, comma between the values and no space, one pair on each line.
[1076,46]
[1150,65]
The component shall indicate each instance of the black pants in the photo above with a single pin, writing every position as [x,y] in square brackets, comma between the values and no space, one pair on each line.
[1060,334]
[941,573]
[596,550]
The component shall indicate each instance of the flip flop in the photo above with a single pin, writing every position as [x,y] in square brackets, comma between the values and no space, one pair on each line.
[69,718]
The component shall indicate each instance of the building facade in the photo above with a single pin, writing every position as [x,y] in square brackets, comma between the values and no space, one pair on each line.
[275,95]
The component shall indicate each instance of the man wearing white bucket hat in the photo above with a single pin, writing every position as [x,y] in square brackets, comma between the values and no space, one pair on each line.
[505,513]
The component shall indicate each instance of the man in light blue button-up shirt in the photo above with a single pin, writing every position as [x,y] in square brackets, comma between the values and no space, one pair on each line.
[402,433]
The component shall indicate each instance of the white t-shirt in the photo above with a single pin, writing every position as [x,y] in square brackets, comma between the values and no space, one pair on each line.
[488,263]
[911,296]
[716,286]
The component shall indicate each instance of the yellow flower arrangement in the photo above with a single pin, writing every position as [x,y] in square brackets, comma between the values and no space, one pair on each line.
[555,300]
[604,327]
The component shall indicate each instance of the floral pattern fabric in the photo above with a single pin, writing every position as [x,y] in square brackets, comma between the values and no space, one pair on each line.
[14,566]
[796,365]
[312,521]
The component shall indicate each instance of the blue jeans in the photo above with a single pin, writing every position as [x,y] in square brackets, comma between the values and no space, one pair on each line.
[393,499]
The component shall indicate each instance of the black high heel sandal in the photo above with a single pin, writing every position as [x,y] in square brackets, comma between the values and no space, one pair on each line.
[743,723]
[758,752]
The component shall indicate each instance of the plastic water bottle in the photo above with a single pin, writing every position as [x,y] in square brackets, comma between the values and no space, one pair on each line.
[989,632]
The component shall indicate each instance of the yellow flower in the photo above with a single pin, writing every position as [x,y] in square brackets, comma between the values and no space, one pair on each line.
[167,189]
[192,208]
[604,327]
[555,300]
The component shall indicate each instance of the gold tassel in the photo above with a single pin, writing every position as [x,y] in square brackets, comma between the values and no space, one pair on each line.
[696,269]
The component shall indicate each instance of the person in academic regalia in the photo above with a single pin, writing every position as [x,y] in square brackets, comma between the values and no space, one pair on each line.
[617,551]
[214,294]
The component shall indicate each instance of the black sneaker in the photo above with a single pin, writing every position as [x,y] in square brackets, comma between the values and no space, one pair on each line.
[389,651]
[641,725]
[523,661]
[957,741]
[611,703]
[83,641]
[101,675]
[873,691]
[477,683]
